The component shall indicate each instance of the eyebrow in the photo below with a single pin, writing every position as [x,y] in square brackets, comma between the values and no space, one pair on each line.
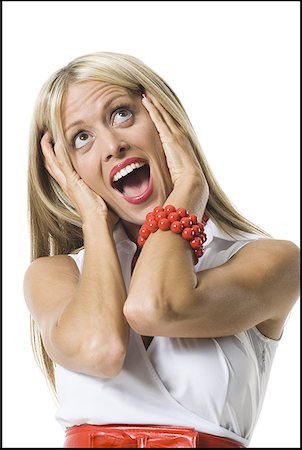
[74,124]
[105,106]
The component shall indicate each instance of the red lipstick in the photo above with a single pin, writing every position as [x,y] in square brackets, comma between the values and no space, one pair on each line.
[123,164]
[140,196]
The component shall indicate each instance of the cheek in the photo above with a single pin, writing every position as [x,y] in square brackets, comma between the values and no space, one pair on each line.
[155,147]
[87,168]
[149,139]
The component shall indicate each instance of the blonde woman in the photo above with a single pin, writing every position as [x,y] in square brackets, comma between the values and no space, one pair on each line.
[156,307]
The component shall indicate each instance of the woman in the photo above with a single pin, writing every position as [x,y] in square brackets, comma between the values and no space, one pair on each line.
[156,307]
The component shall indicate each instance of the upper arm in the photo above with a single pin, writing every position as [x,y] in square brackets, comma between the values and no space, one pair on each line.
[258,285]
[49,284]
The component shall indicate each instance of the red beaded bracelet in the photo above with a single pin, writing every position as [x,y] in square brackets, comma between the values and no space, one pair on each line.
[179,221]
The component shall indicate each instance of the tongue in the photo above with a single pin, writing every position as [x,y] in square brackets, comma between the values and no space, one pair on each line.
[136,183]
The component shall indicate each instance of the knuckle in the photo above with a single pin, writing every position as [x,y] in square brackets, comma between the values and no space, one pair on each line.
[60,163]
[166,139]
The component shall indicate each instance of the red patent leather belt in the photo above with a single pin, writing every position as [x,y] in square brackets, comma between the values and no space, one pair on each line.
[143,436]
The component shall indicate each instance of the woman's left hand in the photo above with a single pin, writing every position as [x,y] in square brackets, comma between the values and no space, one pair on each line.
[184,167]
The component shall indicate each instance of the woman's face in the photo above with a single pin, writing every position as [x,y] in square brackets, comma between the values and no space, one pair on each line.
[110,133]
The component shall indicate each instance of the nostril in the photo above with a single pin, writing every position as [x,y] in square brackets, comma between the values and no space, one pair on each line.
[117,152]
[124,148]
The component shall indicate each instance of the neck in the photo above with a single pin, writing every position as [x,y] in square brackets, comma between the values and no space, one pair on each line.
[132,230]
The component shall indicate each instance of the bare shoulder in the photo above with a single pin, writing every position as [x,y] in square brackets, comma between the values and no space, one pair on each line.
[50,268]
[47,280]
[47,265]
[275,268]
[283,250]
[272,254]
[273,262]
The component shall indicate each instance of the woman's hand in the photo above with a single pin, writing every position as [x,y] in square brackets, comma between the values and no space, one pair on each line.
[181,160]
[87,203]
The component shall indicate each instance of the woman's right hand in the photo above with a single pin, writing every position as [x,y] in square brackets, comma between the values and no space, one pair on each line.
[87,203]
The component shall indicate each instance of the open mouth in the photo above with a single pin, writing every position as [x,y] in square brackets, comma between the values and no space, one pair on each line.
[133,181]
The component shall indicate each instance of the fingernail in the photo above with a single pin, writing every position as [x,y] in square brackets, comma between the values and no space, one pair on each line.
[146,98]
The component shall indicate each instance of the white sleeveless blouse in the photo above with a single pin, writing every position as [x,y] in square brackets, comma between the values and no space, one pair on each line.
[214,385]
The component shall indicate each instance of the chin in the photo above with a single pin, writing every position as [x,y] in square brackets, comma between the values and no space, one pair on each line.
[138,219]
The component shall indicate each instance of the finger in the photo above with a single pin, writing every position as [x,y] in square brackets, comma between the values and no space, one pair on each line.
[63,160]
[47,145]
[177,147]
[48,152]
[50,160]
[50,171]
[57,157]
[168,119]
[161,126]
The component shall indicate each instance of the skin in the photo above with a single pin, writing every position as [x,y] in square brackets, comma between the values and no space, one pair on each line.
[113,141]
[84,319]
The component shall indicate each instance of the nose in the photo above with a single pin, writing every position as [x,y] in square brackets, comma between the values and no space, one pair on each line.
[113,145]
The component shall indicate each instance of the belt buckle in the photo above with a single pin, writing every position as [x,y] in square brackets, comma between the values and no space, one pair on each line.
[144,437]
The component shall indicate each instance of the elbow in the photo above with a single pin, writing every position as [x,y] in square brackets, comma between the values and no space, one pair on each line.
[107,362]
[151,317]
[111,363]
[95,356]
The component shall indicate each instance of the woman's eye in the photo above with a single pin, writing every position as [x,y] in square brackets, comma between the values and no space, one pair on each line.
[82,139]
[120,116]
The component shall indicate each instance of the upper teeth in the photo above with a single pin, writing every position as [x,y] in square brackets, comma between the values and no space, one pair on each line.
[125,170]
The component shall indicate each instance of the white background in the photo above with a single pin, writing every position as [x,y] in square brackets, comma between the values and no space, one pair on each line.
[236,68]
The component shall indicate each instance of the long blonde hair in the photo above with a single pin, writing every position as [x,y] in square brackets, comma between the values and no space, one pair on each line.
[55,225]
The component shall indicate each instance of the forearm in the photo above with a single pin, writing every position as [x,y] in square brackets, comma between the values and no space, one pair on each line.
[92,329]
[164,279]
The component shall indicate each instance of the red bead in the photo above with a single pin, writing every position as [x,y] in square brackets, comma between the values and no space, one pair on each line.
[178,221]
[160,215]
[205,218]
[144,232]
[203,237]
[141,241]
[187,234]
[164,224]
[182,212]
[193,217]
[149,215]
[173,216]
[176,227]
[169,209]
[157,209]
[152,226]
[195,243]
[187,223]
[199,252]
[196,230]
[201,226]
